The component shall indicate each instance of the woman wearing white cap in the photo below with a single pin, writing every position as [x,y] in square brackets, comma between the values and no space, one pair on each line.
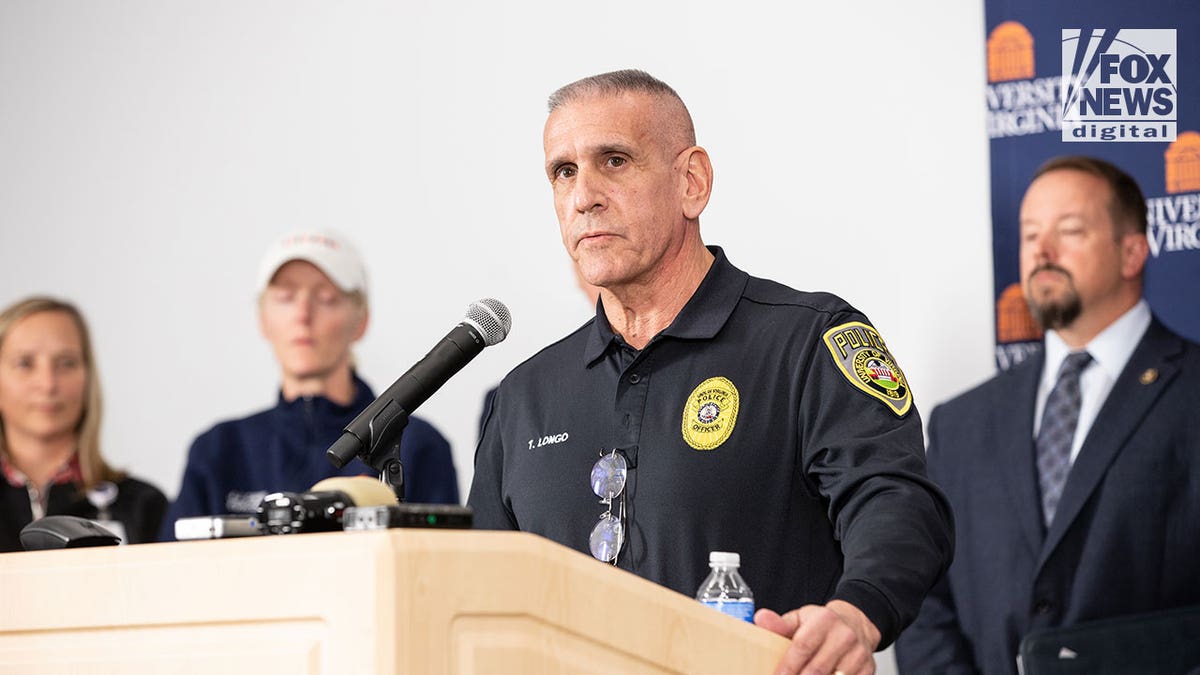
[312,309]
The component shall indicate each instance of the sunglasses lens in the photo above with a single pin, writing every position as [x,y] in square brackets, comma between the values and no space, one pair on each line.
[607,537]
[608,476]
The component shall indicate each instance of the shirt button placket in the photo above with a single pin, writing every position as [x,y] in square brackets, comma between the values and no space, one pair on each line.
[631,406]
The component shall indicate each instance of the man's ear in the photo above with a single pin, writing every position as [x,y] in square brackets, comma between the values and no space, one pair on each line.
[698,177]
[1135,249]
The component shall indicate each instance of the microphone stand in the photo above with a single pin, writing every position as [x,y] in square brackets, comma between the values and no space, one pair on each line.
[381,451]
[391,469]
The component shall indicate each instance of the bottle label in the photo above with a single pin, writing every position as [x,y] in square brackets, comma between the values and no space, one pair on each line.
[743,610]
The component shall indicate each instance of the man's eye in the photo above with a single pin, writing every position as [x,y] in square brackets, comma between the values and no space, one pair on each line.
[616,161]
[565,171]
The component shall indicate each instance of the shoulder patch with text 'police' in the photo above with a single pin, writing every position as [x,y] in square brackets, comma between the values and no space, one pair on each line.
[710,413]
[863,358]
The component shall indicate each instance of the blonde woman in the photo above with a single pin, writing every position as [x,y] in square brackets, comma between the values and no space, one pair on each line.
[50,430]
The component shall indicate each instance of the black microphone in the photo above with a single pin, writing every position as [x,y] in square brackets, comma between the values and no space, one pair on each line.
[487,323]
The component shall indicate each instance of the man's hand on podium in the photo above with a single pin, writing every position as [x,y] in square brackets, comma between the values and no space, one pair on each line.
[833,638]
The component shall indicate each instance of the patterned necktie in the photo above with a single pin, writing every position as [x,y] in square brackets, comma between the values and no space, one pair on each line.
[1059,420]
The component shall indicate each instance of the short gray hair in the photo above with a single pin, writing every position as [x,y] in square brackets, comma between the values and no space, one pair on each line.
[619,82]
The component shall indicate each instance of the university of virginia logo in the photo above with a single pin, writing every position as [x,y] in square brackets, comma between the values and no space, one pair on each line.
[1018,103]
[710,413]
[1174,219]
[864,359]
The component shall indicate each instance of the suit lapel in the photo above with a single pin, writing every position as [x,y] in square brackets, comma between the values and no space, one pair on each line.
[1125,408]
[1014,431]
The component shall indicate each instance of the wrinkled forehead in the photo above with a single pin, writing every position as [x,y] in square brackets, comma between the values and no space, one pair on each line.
[598,115]
[632,116]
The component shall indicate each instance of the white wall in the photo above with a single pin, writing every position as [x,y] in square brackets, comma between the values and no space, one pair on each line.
[150,150]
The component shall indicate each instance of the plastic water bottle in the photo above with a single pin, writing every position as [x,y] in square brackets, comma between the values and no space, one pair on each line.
[724,589]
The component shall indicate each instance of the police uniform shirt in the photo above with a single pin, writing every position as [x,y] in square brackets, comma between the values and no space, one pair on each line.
[763,420]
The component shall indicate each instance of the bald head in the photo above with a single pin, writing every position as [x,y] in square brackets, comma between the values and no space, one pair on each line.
[673,119]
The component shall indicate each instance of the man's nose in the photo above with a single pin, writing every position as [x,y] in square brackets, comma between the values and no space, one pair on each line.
[1047,246]
[1042,247]
[588,191]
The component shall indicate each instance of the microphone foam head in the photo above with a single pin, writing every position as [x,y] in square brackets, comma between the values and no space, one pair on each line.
[491,318]
[362,490]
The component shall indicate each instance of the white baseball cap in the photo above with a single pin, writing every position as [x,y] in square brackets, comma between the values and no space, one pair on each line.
[330,251]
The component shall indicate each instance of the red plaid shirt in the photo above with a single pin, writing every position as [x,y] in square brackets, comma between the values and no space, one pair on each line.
[39,494]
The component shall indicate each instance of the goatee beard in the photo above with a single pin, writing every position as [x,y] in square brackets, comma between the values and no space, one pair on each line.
[1055,314]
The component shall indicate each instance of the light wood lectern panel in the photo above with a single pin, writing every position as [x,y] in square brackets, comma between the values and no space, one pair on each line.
[394,601]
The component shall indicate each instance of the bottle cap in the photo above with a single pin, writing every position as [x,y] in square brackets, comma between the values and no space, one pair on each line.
[724,558]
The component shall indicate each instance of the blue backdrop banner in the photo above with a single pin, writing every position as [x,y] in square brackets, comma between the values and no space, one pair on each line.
[1112,79]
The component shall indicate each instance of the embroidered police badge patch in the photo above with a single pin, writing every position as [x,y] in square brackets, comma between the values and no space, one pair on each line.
[710,413]
[864,359]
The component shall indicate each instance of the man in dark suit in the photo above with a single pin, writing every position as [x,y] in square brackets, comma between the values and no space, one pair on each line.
[1075,476]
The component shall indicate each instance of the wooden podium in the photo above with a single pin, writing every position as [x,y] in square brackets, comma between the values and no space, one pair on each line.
[393,601]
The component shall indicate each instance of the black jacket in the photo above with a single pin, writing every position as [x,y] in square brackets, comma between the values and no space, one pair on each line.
[139,506]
